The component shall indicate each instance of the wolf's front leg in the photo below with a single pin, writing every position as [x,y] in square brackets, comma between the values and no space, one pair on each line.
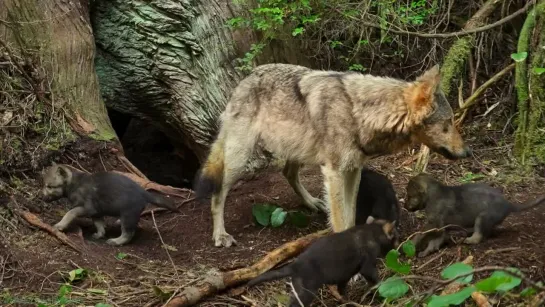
[69,217]
[334,186]
[351,186]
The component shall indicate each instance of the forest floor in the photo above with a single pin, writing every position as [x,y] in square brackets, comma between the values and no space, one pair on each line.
[34,265]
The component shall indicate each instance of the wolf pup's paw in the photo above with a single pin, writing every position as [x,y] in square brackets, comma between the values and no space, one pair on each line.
[98,235]
[224,239]
[472,240]
[113,242]
[356,278]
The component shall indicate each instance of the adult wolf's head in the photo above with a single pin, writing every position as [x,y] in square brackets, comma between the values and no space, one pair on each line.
[432,115]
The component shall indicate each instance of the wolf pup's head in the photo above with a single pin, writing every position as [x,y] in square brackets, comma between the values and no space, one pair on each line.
[55,180]
[389,236]
[433,116]
[417,191]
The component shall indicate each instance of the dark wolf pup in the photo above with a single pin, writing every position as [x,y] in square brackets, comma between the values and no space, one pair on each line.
[477,207]
[376,198]
[98,195]
[333,119]
[334,259]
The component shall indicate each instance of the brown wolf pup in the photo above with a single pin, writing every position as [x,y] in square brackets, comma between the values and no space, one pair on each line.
[333,119]
[477,207]
[334,259]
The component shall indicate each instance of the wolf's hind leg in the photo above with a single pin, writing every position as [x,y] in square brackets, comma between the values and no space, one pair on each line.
[129,223]
[239,146]
[100,226]
[291,172]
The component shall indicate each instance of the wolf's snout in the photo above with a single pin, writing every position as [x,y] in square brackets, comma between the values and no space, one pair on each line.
[468,152]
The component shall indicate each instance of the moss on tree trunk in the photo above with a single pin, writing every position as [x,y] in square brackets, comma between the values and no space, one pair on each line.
[530,135]
[50,85]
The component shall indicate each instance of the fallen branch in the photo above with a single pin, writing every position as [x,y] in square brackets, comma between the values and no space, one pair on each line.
[473,98]
[130,167]
[155,210]
[150,185]
[218,282]
[34,220]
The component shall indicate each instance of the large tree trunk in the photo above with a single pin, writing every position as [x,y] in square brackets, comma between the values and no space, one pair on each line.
[49,90]
[530,80]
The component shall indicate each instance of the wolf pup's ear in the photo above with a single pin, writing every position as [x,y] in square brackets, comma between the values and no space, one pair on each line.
[62,172]
[389,230]
[419,96]
[370,220]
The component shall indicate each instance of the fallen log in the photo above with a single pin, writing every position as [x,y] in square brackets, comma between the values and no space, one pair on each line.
[221,281]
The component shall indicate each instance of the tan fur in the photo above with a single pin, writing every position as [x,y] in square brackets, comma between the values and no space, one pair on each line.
[332,119]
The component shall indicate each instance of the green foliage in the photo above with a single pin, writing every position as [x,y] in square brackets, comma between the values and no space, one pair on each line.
[121,256]
[456,270]
[77,275]
[519,57]
[470,177]
[392,262]
[318,21]
[409,249]
[269,214]
[499,281]
[451,299]
[538,70]
[393,288]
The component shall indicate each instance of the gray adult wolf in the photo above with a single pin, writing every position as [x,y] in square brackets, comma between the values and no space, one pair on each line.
[337,120]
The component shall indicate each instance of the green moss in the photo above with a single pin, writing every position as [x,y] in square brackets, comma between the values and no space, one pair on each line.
[454,62]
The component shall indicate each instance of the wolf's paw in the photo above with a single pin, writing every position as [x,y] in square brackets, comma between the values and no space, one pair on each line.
[59,227]
[472,240]
[316,204]
[98,235]
[424,254]
[224,239]
[114,242]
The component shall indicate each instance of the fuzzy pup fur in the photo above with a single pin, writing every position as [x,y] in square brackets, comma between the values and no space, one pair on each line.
[376,198]
[98,195]
[338,120]
[475,206]
[334,259]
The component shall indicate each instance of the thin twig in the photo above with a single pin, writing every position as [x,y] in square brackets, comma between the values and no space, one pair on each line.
[452,34]
[164,245]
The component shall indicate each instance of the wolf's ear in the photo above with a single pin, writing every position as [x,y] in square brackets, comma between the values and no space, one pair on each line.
[419,96]
[62,172]
[389,229]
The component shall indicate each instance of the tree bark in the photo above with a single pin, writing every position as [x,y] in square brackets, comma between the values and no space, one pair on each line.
[530,135]
[48,77]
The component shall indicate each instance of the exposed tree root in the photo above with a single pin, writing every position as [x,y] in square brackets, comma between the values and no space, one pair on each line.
[150,185]
[34,220]
[221,281]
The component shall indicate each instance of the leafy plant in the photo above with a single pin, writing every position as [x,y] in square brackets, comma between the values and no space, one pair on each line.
[470,177]
[121,256]
[393,288]
[519,57]
[538,70]
[269,214]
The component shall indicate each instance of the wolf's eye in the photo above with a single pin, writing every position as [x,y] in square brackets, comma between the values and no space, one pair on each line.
[446,126]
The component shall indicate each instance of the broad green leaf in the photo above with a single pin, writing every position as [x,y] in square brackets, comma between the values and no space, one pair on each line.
[393,288]
[457,269]
[76,274]
[262,213]
[499,281]
[97,291]
[519,57]
[409,249]
[103,305]
[392,262]
[538,70]
[451,299]
[528,292]
[297,31]
[121,256]
[64,290]
[278,217]
[298,219]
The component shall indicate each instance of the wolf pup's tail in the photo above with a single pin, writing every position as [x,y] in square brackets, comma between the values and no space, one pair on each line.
[161,201]
[284,271]
[529,205]
[210,176]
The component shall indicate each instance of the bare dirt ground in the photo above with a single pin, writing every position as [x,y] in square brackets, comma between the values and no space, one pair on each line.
[33,263]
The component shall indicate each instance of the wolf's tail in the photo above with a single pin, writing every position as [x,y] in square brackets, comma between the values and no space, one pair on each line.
[161,201]
[210,177]
[284,271]
[530,204]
